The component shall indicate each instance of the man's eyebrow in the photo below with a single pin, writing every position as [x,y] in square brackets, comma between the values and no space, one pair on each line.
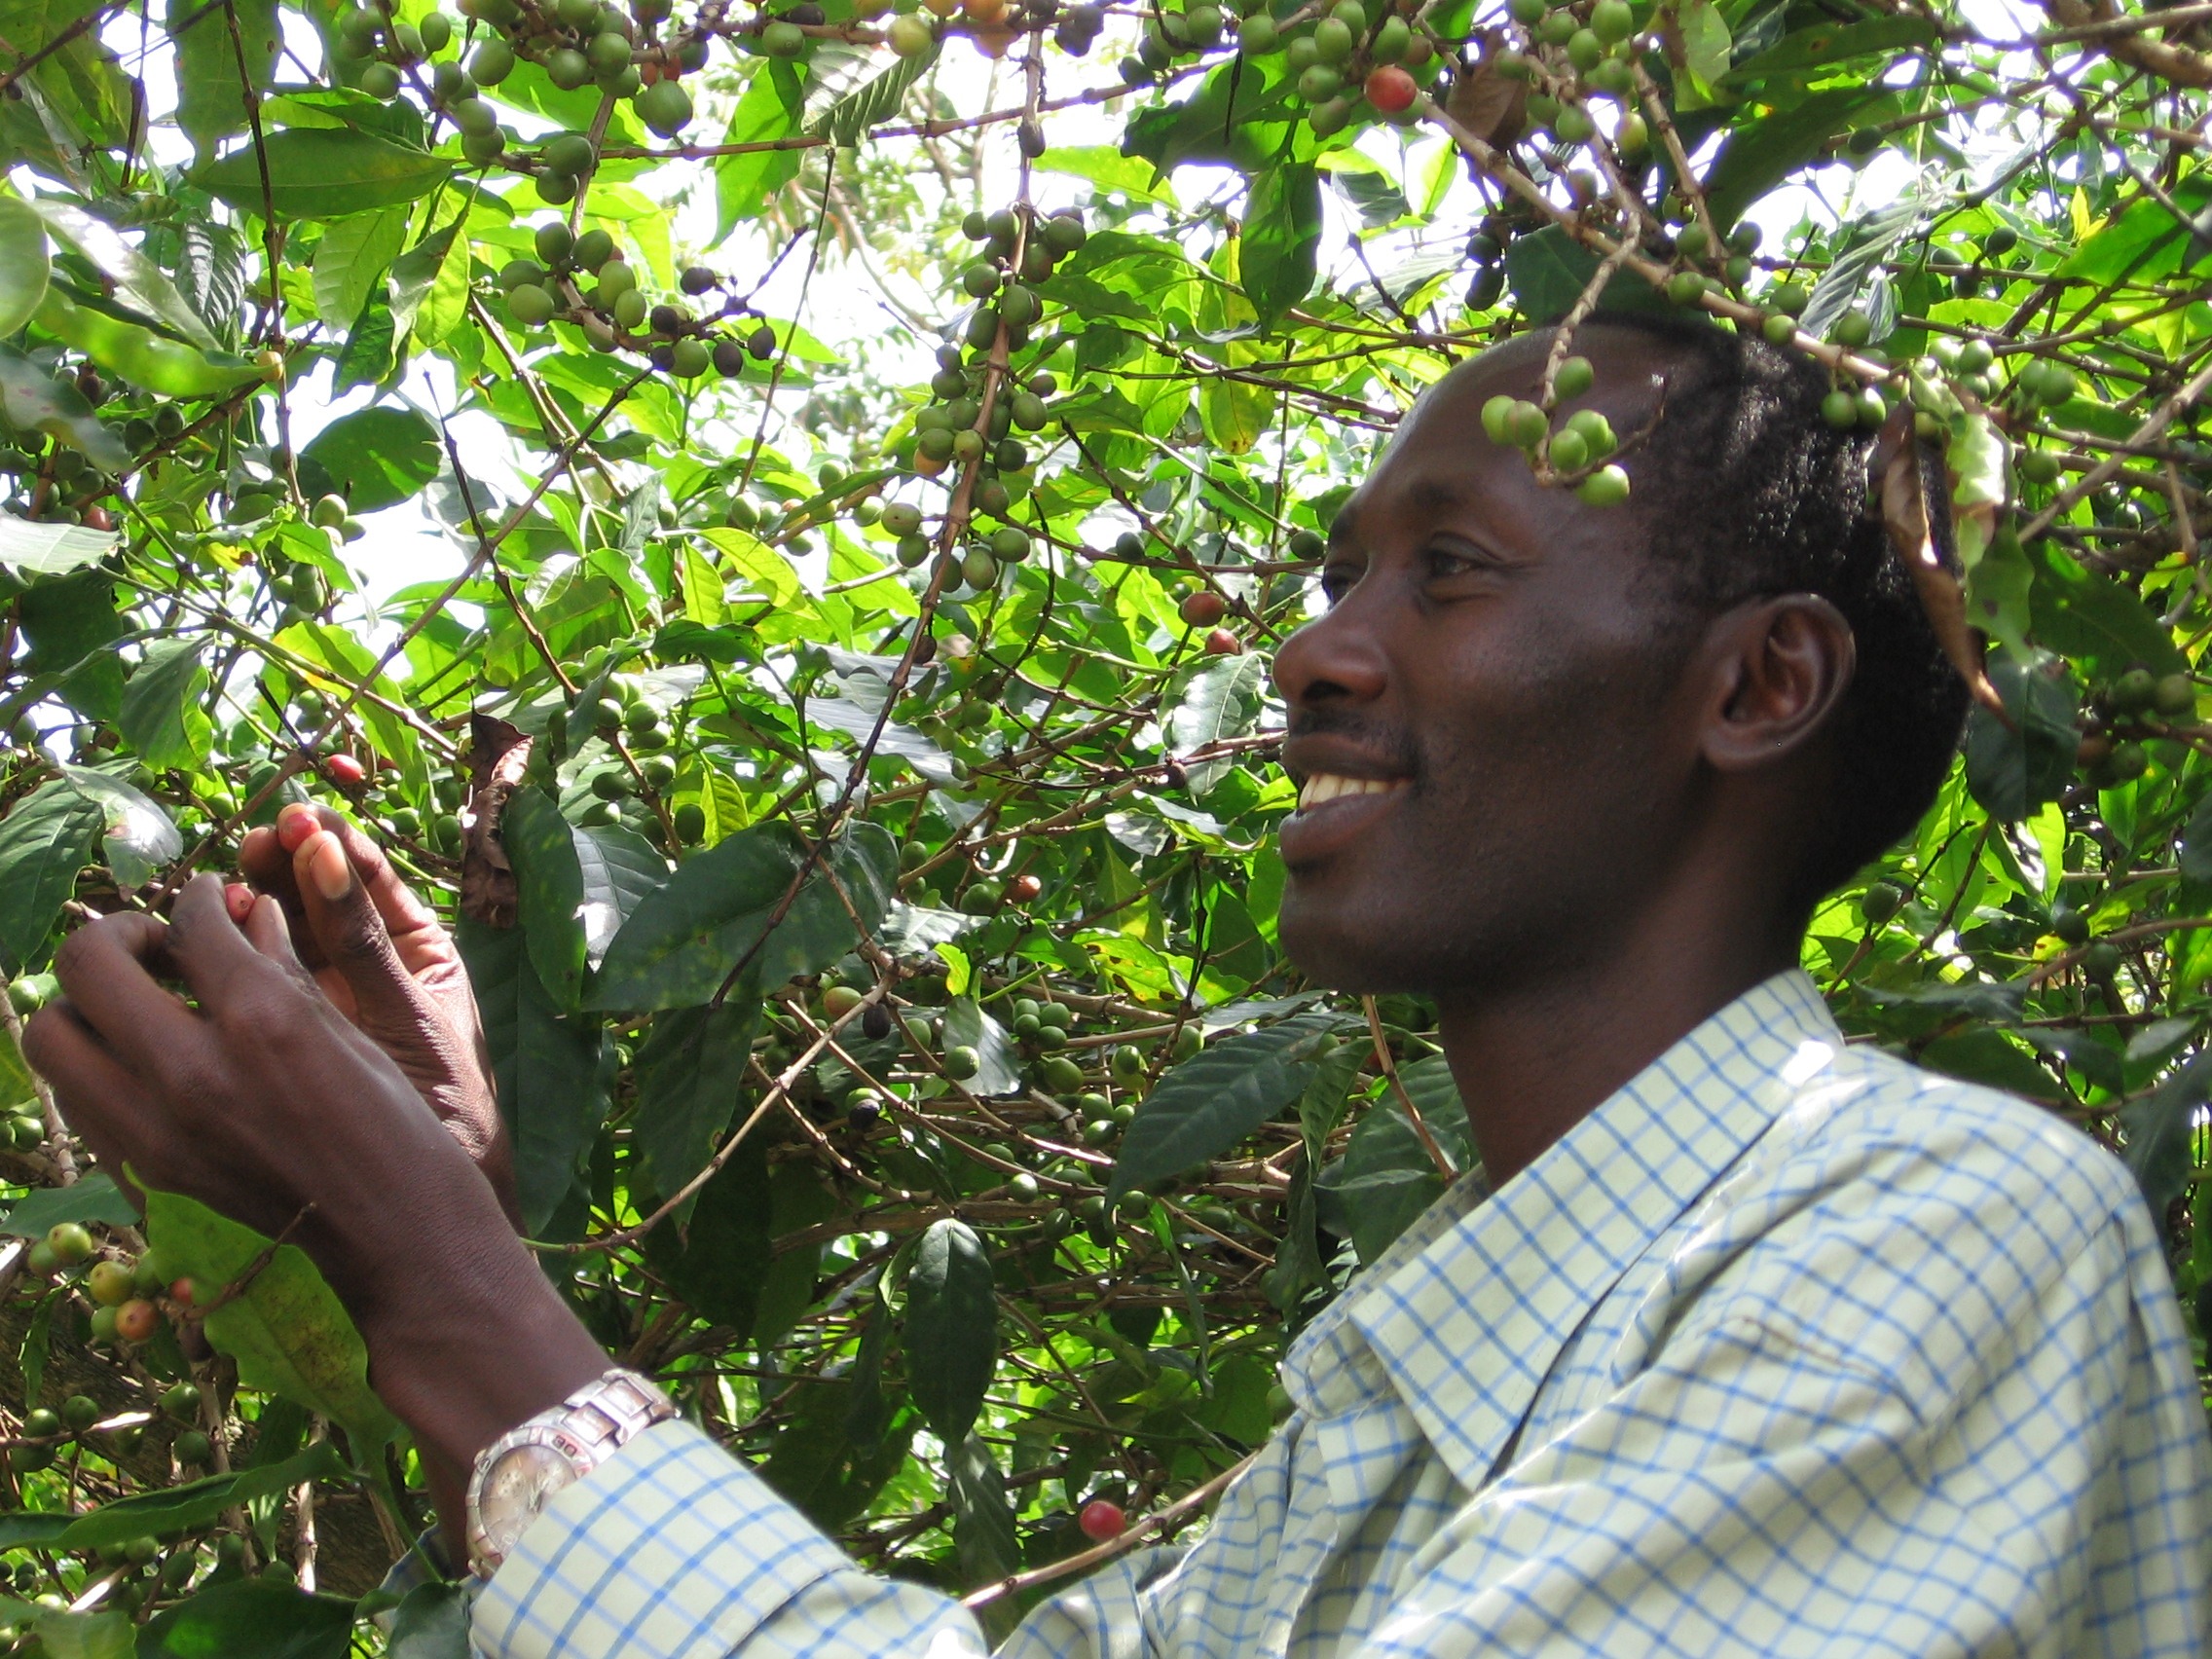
[1431,495]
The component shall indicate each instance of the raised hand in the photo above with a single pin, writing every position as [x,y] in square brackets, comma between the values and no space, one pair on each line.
[380,956]
[261,1099]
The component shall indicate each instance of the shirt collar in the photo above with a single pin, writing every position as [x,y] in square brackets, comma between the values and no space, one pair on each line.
[1467,1325]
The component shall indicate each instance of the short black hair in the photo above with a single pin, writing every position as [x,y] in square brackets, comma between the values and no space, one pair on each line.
[1745,490]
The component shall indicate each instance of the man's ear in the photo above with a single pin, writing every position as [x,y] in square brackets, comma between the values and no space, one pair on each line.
[1780,667]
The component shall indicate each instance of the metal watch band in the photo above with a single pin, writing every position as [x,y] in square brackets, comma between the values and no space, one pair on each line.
[584,1430]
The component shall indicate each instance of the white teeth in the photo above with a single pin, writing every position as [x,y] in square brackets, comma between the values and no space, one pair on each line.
[1325,786]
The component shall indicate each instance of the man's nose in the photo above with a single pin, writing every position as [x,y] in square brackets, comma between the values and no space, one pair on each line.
[1335,658]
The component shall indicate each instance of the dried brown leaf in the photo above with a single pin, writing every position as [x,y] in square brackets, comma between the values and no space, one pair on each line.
[1895,465]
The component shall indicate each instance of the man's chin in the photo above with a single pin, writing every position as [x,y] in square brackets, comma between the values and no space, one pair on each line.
[1339,951]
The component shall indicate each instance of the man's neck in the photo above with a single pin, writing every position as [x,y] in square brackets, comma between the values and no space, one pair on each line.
[1531,1062]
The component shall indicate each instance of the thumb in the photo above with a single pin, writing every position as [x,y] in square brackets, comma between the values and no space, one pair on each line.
[343,920]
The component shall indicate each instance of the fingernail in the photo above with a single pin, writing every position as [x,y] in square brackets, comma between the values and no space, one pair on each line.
[333,878]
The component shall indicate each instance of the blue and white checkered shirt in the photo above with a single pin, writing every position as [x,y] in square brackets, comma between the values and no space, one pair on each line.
[1785,1348]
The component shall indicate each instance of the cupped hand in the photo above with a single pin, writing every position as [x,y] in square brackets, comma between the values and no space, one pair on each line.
[258,1098]
[381,958]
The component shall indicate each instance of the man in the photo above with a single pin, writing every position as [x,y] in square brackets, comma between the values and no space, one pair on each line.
[1754,1344]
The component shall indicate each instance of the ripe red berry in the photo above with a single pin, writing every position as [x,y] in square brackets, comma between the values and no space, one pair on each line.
[1203,610]
[184,1293]
[1023,888]
[345,771]
[1101,1519]
[137,1319]
[1222,643]
[1390,90]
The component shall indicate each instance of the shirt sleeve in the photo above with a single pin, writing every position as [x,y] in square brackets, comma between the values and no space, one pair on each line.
[672,1549]
[1942,1406]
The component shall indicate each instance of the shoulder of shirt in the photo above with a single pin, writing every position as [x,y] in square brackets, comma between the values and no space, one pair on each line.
[1868,1107]
[1887,1201]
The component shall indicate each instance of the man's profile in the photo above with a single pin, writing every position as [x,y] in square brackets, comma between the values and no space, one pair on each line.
[1748,1341]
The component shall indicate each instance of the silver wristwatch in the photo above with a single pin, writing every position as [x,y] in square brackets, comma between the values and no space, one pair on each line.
[517,1475]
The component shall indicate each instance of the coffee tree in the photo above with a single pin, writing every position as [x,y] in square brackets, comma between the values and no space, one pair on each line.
[843,751]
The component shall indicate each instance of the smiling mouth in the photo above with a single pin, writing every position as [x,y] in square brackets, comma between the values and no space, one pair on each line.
[1324,787]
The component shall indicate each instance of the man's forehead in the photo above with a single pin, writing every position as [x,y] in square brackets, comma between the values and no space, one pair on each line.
[1440,457]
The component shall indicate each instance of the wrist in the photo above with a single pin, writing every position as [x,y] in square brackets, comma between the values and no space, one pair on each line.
[464,1358]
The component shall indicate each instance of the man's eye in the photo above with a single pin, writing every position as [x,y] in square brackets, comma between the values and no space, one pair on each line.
[1444,563]
[1337,580]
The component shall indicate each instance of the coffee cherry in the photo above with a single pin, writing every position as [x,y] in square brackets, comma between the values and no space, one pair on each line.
[911,35]
[1222,643]
[110,1283]
[345,771]
[962,1062]
[690,820]
[531,306]
[1024,889]
[1203,609]
[665,107]
[1101,1521]
[80,1412]
[381,81]
[136,1320]
[1607,487]
[841,1000]
[1881,901]
[70,1242]
[181,1400]
[1840,410]
[192,1449]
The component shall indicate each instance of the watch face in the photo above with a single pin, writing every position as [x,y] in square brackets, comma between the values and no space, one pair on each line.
[516,1488]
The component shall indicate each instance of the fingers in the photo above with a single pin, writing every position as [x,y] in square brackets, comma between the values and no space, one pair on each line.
[344,919]
[107,969]
[98,1098]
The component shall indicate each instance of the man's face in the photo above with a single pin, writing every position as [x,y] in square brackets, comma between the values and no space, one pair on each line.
[1494,701]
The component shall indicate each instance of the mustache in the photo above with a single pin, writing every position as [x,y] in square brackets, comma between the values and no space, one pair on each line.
[1393,742]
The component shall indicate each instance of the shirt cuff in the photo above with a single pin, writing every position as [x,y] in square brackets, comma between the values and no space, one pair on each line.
[670,1549]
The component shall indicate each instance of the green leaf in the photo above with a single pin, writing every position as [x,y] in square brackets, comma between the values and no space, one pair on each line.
[285,1327]
[96,1197]
[1218,1096]
[378,458]
[170,1509]
[952,1323]
[2095,620]
[159,715]
[323,174]
[1706,43]
[64,1634]
[1871,240]
[721,1263]
[2156,1133]
[432,1623]
[984,1532]
[45,840]
[544,1067]
[719,910]
[416,276]
[140,282]
[137,834]
[253,1619]
[1387,1178]
[34,401]
[23,263]
[1829,42]
[1222,699]
[576,888]
[1759,155]
[744,180]
[52,549]
[847,121]
[371,349]
[691,1080]
[1283,239]
[998,1065]
[1547,271]
[350,262]
[210,97]
[2011,770]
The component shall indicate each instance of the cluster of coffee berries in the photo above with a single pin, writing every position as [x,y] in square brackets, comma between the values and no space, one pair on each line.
[1573,453]
[585,280]
[1573,54]
[1344,60]
[132,1298]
